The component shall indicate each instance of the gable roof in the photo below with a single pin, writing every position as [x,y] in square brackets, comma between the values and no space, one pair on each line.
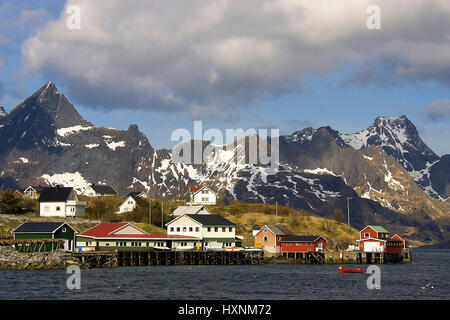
[278,229]
[195,190]
[103,229]
[55,194]
[207,219]
[135,194]
[378,229]
[36,188]
[181,210]
[104,189]
[296,238]
[40,227]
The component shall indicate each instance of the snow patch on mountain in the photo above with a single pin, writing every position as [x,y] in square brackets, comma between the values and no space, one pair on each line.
[114,145]
[64,132]
[67,179]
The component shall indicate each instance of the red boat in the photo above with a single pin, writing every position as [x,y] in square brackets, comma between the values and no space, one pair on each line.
[357,270]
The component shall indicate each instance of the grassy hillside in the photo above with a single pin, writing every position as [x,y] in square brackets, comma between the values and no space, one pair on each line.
[247,216]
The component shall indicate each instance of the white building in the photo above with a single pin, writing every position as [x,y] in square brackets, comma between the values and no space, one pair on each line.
[128,205]
[138,194]
[99,191]
[181,210]
[214,231]
[202,196]
[60,202]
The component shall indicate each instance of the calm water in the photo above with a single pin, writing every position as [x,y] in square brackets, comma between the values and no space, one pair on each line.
[431,268]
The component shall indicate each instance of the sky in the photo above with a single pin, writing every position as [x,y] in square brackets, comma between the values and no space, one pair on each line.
[286,64]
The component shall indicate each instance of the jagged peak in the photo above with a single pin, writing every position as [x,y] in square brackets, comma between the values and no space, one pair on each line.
[3,112]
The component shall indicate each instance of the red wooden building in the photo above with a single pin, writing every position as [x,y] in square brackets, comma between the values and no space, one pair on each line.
[376,239]
[303,244]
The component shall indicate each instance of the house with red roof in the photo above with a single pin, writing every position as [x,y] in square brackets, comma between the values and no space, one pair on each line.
[376,239]
[125,236]
[202,195]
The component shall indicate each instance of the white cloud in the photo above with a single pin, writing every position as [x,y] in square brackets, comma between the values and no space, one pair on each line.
[216,57]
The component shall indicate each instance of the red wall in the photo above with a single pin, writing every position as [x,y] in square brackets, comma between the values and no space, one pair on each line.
[302,247]
[372,233]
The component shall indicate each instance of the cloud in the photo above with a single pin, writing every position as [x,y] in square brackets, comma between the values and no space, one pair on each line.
[438,110]
[215,58]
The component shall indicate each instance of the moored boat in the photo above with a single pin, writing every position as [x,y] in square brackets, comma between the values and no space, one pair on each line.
[357,270]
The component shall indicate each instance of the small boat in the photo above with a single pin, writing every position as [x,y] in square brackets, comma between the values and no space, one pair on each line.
[357,270]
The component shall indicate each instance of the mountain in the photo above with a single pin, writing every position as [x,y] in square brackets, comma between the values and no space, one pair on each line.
[384,173]
[399,138]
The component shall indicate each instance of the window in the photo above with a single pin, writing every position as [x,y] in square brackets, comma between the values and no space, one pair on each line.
[63,230]
[172,229]
[58,208]
[209,229]
[230,229]
[197,229]
[265,239]
[190,229]
[205,199]
[223,229]
[184,229]
[107,244]
[216,229]
[366,235]
[265,230]
[178,228]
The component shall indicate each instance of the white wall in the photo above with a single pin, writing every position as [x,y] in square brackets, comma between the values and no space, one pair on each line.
[204,196]
[128,205]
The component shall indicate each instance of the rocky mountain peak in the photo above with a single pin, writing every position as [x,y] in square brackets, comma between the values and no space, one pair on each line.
[3,112]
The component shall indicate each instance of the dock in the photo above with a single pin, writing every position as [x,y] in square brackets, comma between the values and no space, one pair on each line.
[113,259]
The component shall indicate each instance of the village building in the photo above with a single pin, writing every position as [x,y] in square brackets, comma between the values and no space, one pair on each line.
[202,196]
[269,238]
[139,194]
[99,191]
[33,192]
[127,237]
[214,231]
[60,202]
[46,230]
[181,210]
[376,239]
[128,205]
[296,246]
[397,237]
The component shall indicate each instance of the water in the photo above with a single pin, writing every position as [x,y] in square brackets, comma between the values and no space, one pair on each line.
[427,278]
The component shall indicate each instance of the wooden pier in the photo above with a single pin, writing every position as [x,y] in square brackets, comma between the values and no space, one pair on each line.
[354,257]
[33,245]
[112,259]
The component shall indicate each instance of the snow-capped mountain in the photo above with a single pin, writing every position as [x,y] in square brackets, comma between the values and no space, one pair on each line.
[44,140]
[399,137]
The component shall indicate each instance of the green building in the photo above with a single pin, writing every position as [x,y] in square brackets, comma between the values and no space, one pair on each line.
[46,230]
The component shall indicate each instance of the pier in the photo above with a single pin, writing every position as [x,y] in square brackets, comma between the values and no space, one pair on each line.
[112,259]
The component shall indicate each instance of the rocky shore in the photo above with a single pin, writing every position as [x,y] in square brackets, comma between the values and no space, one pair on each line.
[10,259]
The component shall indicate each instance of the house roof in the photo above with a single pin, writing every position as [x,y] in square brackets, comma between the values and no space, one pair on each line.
[181,210]
[55,194]
[279,229]
[104,189]
[134,194]
[103,229]
[197,189]
[296,238]
[106,230]
[378,229]
[39,227]
[210,219]
[36,188]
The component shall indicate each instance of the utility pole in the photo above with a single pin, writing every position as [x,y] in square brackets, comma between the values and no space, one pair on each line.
[162,212]
[348,211]
[149,211]
[276,212]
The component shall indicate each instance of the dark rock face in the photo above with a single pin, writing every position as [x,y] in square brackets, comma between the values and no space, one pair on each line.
[44,140]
